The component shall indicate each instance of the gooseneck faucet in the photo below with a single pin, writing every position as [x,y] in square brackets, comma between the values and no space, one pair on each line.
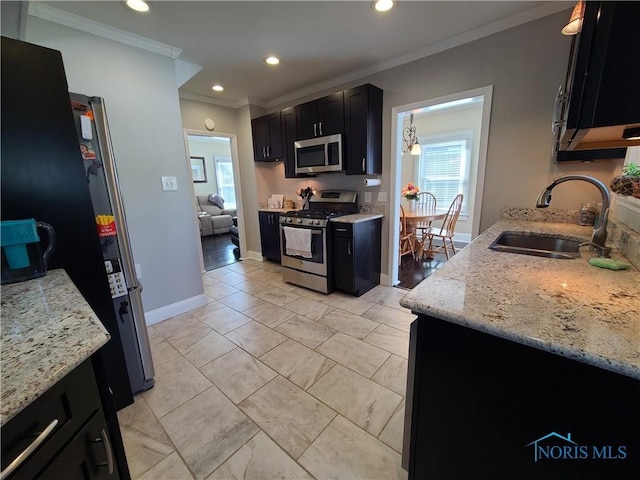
[600,228]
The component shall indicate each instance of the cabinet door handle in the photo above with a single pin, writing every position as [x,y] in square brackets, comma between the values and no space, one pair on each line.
[320,128]
[349,247]
[341,229]
[29,450]
[315,129]
[104,438]
[268,151]
[363,162]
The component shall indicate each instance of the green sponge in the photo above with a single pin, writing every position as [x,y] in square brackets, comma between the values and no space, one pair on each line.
[609,263]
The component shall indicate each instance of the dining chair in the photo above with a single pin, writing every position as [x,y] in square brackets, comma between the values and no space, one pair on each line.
[407,239]
[438,236]
[426,202]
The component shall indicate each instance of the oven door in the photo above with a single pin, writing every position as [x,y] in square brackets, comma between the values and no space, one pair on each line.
[317,263]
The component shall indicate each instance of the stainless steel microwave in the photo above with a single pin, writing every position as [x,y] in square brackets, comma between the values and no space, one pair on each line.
[321,154]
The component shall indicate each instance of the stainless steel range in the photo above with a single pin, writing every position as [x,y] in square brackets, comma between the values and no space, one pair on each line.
[304,243]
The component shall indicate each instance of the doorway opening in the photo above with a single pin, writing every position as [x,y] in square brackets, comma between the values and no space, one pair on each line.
[214,175]
[453,133]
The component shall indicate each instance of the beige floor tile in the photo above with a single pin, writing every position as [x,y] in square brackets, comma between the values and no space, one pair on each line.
[154,336]
[391,317]
[227,276]
[384,295]
[353,353]
[207,430]
[200,349]
[260,459]
[263,275]
[175,382]
[144,439]
[297,363]
[255,338]
[241,301]
[309,308]
[219,290]
[362,401]
[244,266]
[238,374]
[253,286]
[272,267]
[393,374]
[171,468]
[269,314]
[163,352]
[225,319]
[393,430]
[345,322]
[344,451]
[278,296]
[305,331]
[312,294]
[278,282]
[351,304]
[207,280]
[178,327]
[288,414]
[203,312]
[390,339]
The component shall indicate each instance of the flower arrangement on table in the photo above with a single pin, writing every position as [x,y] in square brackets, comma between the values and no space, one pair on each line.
[410,192]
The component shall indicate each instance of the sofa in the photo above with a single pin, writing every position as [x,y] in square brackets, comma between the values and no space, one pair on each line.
[213,219]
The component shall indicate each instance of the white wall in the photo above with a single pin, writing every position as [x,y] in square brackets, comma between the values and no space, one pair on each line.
[144,117]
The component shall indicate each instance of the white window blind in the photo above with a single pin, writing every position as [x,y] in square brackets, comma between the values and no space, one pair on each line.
[224,179]
[443,167]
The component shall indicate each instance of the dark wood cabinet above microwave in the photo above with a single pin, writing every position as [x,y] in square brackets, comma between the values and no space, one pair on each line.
[601,97]
[321,117]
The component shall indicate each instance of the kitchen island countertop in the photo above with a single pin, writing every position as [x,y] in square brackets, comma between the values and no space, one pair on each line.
[47,330]
[357,217]
[566,307]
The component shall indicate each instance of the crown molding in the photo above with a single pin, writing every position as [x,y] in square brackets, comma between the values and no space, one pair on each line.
[214,101]
[548,8]
[77,22]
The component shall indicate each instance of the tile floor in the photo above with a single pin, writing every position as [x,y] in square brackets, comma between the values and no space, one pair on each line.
[270,380]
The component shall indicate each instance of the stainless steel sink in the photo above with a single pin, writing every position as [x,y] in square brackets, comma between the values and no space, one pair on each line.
[537,245]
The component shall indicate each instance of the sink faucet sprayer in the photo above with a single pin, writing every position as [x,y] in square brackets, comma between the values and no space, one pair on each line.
[600,228]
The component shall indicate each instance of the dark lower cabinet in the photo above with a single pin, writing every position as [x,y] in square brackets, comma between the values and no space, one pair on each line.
[270,235]
[356,255]
[81,445]
[480,406]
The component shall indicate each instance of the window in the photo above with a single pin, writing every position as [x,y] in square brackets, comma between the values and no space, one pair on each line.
[443,166]
[224,179]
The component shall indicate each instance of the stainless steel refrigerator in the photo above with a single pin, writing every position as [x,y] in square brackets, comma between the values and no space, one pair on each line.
[90,117]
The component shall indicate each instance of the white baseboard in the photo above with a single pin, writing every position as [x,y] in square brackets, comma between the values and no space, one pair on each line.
[385,280]
[178,308]
[253,255]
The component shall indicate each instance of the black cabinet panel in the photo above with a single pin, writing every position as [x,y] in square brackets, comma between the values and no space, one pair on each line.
[267,138]
[321,117]
[270,235]
[356,255]
[363,130]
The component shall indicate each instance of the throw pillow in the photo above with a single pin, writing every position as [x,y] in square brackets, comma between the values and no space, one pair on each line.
[216,200]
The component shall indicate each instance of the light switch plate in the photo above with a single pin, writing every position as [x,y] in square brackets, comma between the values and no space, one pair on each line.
[367,197]
[382,196]
[169,183]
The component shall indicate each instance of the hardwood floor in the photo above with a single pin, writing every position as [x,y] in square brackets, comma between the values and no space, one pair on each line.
[218,251]
[411,272]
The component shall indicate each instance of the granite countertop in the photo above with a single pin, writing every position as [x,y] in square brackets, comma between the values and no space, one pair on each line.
[566,307]
[47,330]
[357,217]
[279,210]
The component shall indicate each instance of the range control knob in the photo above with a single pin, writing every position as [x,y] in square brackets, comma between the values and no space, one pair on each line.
[299,220]
[288,219]
[316,222]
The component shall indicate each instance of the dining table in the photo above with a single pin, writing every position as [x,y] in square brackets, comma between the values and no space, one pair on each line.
[417,216]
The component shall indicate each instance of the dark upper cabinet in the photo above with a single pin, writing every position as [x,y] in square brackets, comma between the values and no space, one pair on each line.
[601,91]
[321,117]
[363,130]
[267,138]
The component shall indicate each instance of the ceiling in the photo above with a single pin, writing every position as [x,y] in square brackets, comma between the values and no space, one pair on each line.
[320,43]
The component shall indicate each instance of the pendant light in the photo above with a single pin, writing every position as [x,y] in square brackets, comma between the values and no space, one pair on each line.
[410,139]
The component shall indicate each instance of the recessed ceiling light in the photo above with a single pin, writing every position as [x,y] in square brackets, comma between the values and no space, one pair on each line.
[138,5]
[218,88]
[272,60]
[383,5]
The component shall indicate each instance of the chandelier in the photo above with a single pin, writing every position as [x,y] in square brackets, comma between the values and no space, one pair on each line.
[410,139]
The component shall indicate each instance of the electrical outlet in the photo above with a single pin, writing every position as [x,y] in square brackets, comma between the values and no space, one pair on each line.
[367,197]
[382,196]
[169,183]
